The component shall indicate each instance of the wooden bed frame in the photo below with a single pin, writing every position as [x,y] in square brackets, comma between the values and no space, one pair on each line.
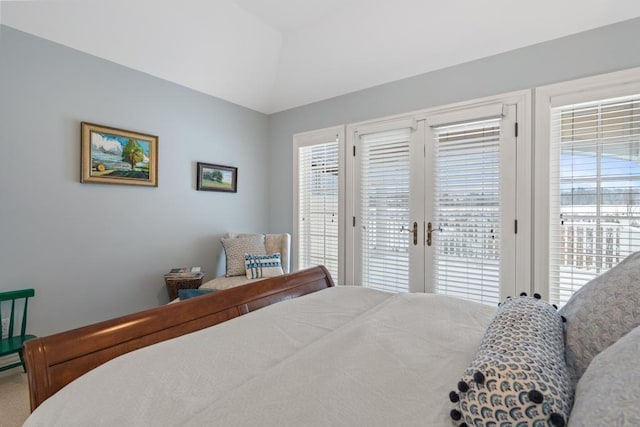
[56,360]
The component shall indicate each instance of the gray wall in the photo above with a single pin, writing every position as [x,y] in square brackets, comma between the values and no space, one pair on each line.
[598,51]
[95,251]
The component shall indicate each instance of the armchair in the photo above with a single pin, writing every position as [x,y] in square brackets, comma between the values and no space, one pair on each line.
[273,243]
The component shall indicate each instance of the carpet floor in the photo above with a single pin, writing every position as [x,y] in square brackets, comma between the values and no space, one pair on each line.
[14,398]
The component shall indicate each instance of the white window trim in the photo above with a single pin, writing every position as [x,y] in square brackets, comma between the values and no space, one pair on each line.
[571,92]
[314,137]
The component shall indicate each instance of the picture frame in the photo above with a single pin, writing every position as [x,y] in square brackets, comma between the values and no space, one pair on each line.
[117,156]
[212,177]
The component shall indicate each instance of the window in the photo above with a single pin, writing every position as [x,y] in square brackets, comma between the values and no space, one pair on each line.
[317,199]
[595,190]
[432,200]
[587,170]
[572,211]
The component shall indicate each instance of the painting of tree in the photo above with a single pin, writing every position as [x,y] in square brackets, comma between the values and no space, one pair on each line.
[217,178]
[132,153]
[118,156]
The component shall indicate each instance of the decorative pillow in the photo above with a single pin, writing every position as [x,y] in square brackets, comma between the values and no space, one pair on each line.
[184,294]
[609,391]
[236,247]
[600,313]
[519,377]
[259,266]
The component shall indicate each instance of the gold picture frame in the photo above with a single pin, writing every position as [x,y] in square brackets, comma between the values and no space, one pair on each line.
[118,156]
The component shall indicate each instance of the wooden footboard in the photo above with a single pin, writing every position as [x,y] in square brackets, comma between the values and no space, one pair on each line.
[56,360]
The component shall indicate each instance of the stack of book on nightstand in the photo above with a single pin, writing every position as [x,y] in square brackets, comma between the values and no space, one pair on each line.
[185,273]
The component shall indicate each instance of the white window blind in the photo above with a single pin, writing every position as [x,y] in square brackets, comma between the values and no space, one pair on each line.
[384,209]
[595,190]
[467,211]
[318,206]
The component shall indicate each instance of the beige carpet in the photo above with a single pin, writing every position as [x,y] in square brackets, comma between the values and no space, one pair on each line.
[14,398]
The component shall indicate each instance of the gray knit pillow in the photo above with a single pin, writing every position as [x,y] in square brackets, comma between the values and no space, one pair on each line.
[236,247]
[600,313]
[609,391]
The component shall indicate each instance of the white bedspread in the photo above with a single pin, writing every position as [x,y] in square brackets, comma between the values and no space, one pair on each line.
[344,356]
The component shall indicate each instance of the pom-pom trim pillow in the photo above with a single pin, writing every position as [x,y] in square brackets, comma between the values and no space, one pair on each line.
[519,376]
[261,266]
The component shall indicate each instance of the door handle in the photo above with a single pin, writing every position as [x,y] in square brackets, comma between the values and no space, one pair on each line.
[429,231]
[413,231]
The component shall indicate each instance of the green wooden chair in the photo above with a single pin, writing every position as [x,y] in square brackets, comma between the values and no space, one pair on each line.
[13,343]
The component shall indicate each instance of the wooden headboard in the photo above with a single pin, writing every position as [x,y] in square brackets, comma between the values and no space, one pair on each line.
[56,360]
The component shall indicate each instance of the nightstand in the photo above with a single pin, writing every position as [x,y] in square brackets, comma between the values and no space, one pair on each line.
[173,284]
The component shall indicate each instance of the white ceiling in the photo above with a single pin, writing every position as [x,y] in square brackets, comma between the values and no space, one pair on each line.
[272,55]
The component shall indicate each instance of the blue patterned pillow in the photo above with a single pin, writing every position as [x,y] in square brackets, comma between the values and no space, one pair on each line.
[184,294]
[519,376]
[261,266]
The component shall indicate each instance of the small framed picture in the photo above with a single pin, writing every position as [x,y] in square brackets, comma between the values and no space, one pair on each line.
[217,178]
[117,156]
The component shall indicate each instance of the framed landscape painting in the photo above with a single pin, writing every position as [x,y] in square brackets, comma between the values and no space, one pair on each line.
[117,156]
[217,178]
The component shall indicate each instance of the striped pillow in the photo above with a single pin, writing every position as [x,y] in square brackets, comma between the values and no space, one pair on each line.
[261,266]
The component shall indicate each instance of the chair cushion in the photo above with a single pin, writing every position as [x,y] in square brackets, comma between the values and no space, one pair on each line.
[600,313]
[222,282]
[236,247]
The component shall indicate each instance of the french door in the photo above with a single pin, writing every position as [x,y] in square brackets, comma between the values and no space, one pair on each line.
[384,207]
[433,203]
[470,189]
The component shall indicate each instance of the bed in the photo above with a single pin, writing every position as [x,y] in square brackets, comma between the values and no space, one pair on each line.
[326,355]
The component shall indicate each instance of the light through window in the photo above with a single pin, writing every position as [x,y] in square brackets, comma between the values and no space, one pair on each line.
[318,206]
[595,190]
